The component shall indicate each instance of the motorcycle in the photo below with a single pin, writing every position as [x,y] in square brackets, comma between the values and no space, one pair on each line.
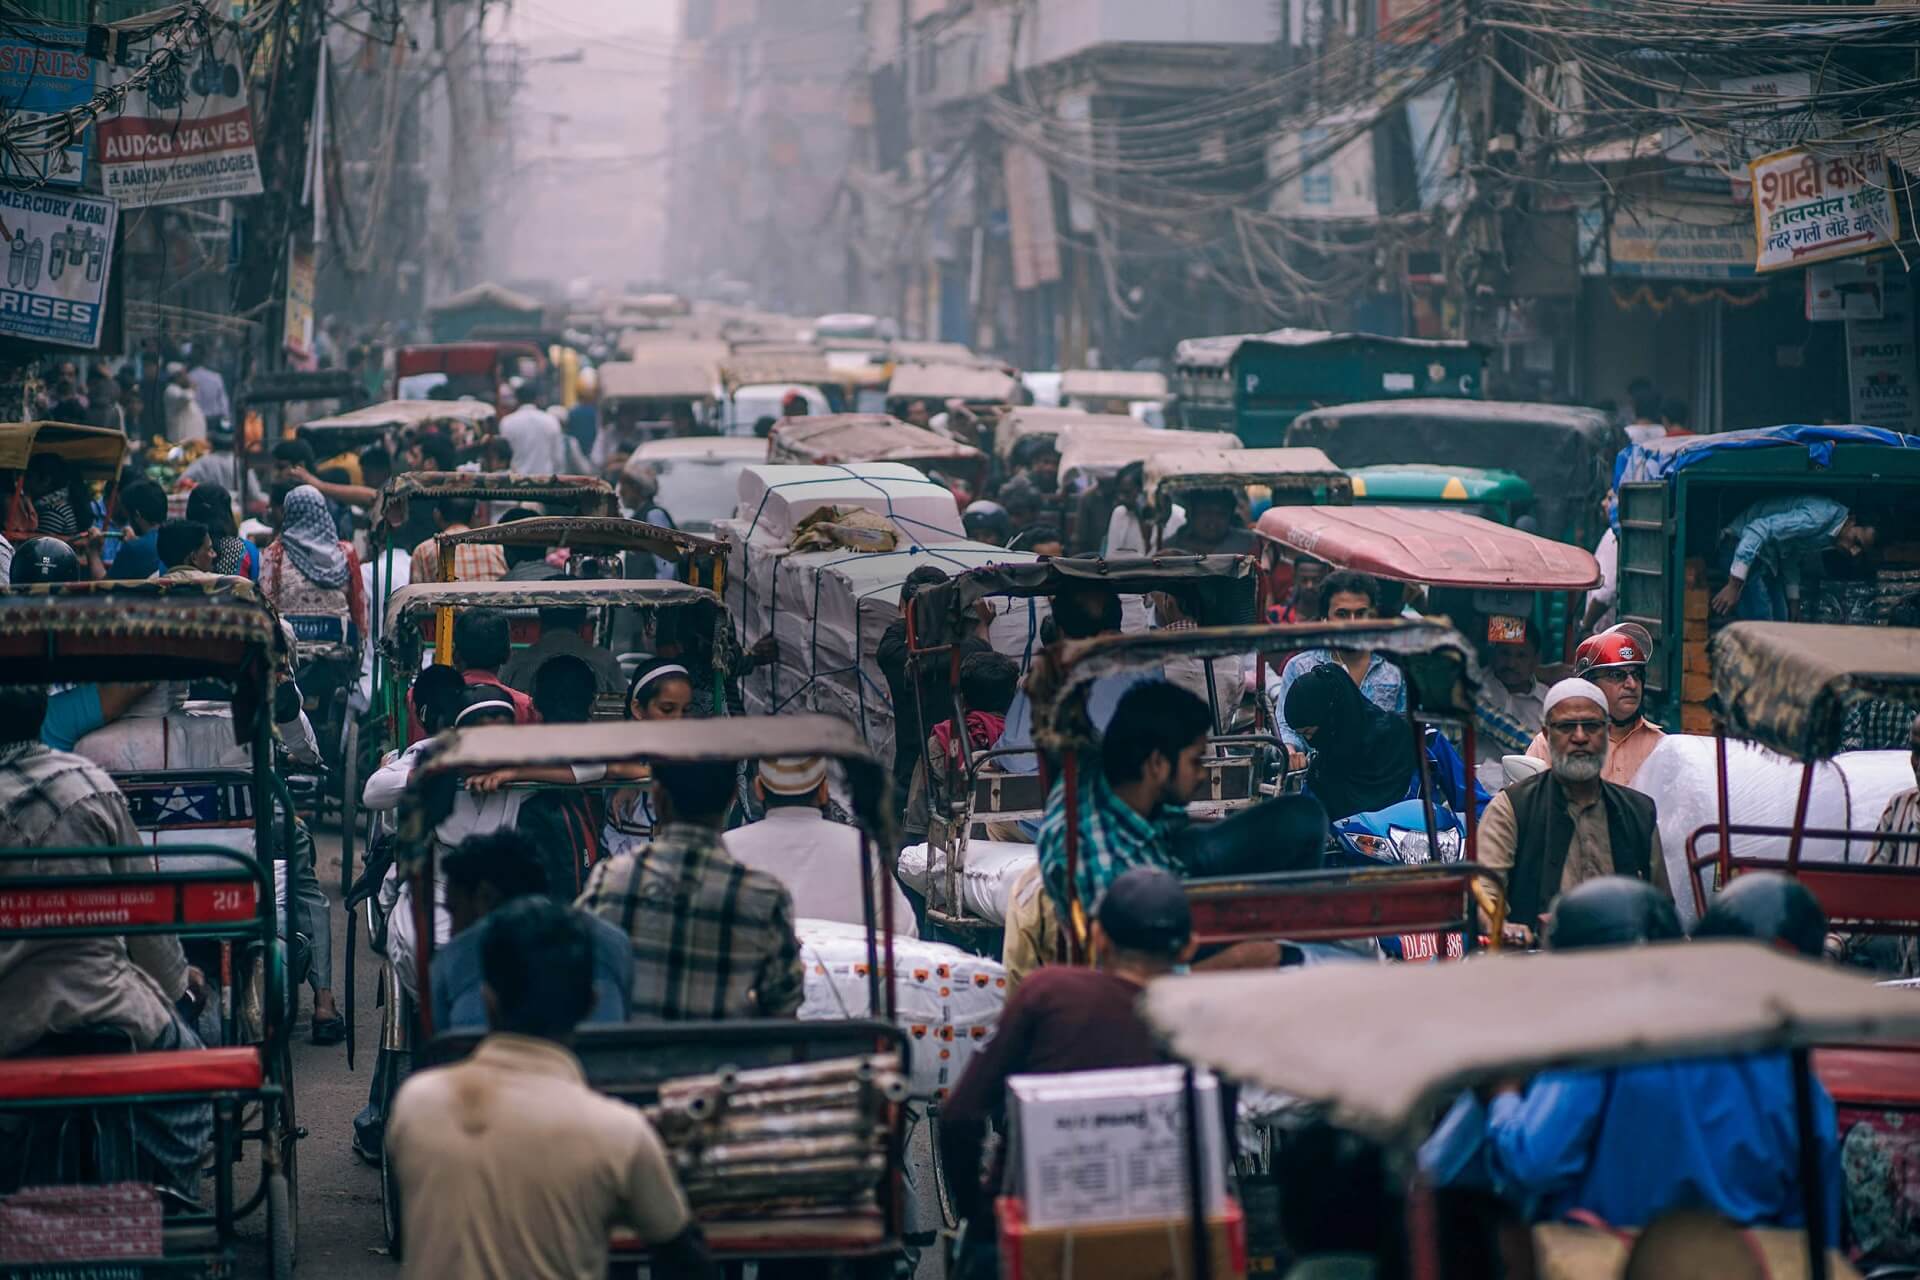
[1397,836]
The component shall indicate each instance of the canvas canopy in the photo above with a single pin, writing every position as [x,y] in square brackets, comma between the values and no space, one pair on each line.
[1787,685]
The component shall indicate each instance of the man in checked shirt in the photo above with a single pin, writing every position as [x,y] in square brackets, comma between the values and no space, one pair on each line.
[711,939]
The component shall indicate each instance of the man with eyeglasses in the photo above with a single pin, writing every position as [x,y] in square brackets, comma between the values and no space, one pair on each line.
[1616,660]
[1568,824]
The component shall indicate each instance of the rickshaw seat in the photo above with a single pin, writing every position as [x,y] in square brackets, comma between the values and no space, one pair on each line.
[107,1076]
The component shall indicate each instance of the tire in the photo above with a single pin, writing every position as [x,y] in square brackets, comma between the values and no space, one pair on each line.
[290,1158]
[390,1207]
[280,1227]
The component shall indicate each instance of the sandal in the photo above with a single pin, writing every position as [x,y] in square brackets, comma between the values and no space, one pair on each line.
[328,1031]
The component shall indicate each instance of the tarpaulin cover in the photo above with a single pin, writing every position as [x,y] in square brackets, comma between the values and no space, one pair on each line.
[1787,685]
[1660,459]
[1565,453]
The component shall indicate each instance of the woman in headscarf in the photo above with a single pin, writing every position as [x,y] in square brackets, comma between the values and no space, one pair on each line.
[1363,758]
[212,506]
[308,571]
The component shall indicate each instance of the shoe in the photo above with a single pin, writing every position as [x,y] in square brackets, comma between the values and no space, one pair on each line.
[329,1031]
[370,1157]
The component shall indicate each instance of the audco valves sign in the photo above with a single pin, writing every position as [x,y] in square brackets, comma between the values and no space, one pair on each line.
[187,134]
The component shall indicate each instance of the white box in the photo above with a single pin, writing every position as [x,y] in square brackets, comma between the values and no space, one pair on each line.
[1110,1146]
[775,498]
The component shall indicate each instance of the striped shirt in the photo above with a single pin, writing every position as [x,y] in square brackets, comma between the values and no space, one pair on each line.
[472,562]
[711,939]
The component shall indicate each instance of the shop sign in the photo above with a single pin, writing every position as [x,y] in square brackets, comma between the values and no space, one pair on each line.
[1846,290]
[59,258]
[45,70]
[187,134]
[1881,365]
[298,327]
[1807,208]
[1666,240]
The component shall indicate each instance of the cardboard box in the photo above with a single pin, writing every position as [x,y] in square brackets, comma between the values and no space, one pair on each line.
[1160,1250]
[1110,1146]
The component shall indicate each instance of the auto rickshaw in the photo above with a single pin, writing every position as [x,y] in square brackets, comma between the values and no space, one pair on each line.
[1030,422]
[95,453]
[908,351]
[874,437]
[386,424]
[1093,453]
[702,561]
[665,389]
[1113,391]
[1634,1005]
[1565,453]
[1489,492]
[978,386]
[755,381]
[205,891]
[1679,495]
[855,1218]
[1787,686]
[1256,477]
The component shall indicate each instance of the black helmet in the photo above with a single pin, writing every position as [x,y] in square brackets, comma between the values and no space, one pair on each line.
[43,560]
[1770,907]
[1612,911]
[985,517]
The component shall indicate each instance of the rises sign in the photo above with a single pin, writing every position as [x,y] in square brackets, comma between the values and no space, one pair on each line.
[1809,209]
[188,135]
[59,252]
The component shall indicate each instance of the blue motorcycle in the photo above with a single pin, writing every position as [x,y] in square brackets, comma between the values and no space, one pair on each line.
[1396,836]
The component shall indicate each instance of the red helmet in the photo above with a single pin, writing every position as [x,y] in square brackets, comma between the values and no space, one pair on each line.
[1625,645]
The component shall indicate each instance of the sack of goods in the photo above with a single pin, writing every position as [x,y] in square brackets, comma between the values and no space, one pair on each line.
[948,1001]
[800,1141]
[978,888]
[828,609]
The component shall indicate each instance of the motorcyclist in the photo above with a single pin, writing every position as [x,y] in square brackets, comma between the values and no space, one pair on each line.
[1616,660]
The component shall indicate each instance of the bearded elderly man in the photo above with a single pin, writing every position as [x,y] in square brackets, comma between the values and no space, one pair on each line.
[1568,824]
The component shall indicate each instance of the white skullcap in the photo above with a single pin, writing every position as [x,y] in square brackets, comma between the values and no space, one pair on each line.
[1573,687]
[793,775]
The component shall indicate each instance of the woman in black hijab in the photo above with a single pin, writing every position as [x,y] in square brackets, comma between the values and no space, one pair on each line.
[1363,758]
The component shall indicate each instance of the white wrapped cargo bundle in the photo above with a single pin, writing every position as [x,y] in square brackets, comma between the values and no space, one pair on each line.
[775,499]
[1849,793]
[949,1002]
[827,611]
[986,877]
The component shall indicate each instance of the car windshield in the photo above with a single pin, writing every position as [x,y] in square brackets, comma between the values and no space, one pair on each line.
[698,491]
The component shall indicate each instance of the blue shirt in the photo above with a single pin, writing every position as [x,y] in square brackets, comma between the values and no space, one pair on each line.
[138,558]
[72,714]
[1778,533]
[1628,1144]
[1383,686]
[458,1005]
[1103,697]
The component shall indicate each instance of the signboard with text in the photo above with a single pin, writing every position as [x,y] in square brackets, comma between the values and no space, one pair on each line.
[298,326]
[1808,208]
[187,135]
[59,259]
[1659,239]
[45,70]
[1881,364]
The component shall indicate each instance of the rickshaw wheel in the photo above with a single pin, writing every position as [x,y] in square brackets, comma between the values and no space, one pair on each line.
[289,1175]
[349,802]
[390,1207]
[280,1227]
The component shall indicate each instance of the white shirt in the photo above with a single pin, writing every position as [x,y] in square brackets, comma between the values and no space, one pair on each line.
[818,861]
[185,420]
[539,444]
[1127,537]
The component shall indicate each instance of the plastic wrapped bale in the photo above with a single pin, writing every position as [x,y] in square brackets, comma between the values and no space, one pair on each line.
[776,498]
[1849,793]
[827,611]
[949,1002]
[985,881]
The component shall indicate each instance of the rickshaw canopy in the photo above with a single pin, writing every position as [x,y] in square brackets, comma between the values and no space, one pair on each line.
[1635,1004]
[588,495]
[1216,591]
[1788,685]
[588,533]
[862,437]
[1440,548]
[1182,470]
[1565,453]
[95,452]
[906,351]
[976,384]
[1112,384]
[396,415]
[1437,661]
[1027,421]
[156,629]
[674,372]
[1103,447]
[758,367]
[419,598]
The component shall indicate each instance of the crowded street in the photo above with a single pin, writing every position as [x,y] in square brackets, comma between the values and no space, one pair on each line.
[959,640]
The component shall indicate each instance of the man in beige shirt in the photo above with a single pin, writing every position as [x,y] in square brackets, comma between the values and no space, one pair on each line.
[1568,824]
[510,1166]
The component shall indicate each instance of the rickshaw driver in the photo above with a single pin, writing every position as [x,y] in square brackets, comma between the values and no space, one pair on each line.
[1616,660]
[1210,529]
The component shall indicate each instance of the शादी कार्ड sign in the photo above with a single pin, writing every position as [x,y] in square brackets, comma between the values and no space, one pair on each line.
[1807,208]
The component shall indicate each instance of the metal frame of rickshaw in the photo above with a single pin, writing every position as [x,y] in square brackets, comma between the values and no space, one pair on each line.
[97,453]
[939,615]
[1244,1025]
[179,630]
[705,558]
[633,1059]
[1440,673]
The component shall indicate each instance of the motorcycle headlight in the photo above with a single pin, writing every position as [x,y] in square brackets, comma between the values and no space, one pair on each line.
[1372,846]
[1411,847]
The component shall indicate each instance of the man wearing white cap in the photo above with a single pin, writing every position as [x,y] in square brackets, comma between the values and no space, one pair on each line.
[1568,824]
[817,859]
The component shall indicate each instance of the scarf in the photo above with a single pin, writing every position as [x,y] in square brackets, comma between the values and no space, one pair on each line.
[1363,758]
[983,730]
[230,555]
[311,540]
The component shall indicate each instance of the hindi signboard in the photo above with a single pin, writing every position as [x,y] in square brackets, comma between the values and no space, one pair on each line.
[187,135]
[59,258]
[1808,209]
[1664,239]
[45,70]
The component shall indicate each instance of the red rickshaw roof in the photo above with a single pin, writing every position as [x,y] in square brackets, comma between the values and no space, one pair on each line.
[1440,548]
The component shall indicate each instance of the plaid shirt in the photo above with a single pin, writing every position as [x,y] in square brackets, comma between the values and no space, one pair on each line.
[1113,839]
[711,939]
[471,563]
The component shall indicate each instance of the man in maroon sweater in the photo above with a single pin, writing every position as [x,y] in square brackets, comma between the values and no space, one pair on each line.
[1067,1018]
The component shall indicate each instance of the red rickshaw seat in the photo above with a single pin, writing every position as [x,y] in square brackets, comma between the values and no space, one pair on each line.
[110,1075]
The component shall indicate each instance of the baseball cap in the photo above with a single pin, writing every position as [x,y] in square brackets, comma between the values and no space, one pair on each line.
[1145,910]
[792,775]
